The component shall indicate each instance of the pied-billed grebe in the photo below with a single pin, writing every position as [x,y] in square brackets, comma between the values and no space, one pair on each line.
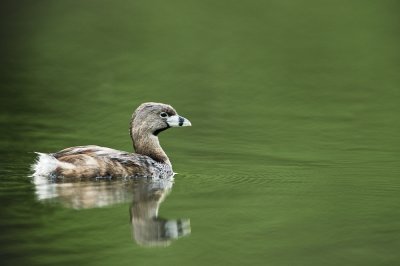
[150,160]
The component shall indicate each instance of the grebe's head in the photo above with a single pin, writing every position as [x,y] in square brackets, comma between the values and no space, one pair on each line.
[153,118]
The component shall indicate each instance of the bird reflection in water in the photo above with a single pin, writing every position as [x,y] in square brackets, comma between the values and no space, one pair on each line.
[145,197]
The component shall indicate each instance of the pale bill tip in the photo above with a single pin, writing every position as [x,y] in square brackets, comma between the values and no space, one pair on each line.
[186,123]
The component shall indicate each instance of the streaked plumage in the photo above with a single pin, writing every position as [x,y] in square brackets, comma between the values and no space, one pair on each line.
[150,160]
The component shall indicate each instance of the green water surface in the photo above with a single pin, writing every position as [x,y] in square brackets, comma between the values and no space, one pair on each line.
[293,156]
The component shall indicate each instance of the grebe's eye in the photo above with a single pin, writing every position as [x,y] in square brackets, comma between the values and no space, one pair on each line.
[163,114]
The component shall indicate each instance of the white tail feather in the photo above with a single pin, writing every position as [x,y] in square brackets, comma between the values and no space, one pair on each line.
[46,164]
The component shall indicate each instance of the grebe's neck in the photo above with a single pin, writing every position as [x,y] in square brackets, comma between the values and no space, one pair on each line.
[147,144]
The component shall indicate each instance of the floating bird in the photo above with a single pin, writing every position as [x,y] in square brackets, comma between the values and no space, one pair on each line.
[149,159]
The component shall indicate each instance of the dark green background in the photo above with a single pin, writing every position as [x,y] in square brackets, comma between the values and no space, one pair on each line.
[293,157]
